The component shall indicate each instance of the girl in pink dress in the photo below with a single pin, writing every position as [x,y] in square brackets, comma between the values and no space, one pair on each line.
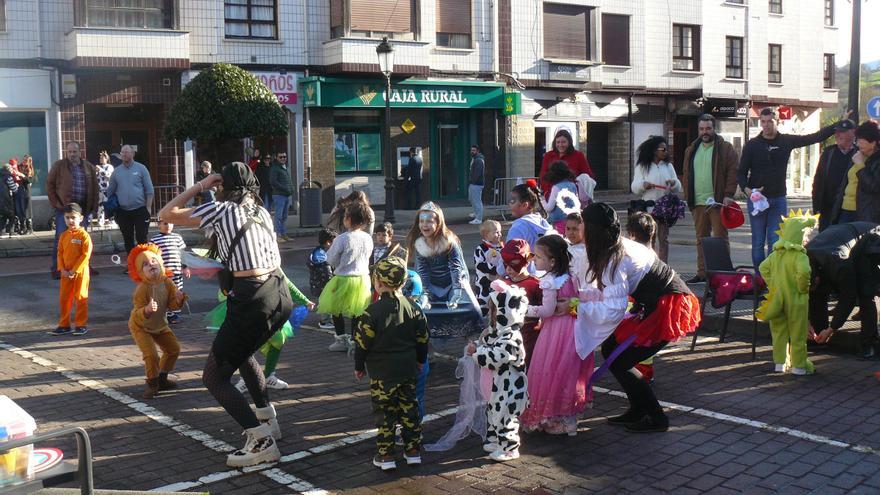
[557,376]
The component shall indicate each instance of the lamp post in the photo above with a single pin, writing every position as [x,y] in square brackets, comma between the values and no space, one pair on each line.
[385,52]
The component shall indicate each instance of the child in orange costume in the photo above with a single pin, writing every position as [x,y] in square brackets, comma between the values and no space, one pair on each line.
[148,324]
[74,252]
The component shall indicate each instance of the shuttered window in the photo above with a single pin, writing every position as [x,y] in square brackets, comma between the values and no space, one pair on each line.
[337,18]
[566,32]
[454,23]
[382,16]
[615,39]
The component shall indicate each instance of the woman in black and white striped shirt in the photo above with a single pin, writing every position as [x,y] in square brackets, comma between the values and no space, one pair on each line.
[257,306]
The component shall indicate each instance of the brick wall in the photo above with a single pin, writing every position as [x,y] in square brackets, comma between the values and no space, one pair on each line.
[323,155]
[521,147]
[618,156]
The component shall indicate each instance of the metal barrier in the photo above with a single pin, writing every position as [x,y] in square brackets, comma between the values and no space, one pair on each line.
[162,195]
[61,474]
[501,192]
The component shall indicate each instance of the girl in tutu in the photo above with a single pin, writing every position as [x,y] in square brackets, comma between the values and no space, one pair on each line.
[665,310]
[448,300]
[348,292]
[557,375]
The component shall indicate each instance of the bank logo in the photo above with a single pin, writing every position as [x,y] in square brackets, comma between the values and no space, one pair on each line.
[310,92]
[366,94]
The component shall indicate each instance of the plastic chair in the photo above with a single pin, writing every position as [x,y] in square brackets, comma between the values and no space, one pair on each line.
[717,258]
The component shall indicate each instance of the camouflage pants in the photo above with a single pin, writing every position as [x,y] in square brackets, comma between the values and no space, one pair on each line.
[393,405]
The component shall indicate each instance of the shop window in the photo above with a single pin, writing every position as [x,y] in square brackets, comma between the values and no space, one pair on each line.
[685,47]
[775,6]
[828,71]
[734,58]
[774,64]
[454,23]
[139,14]
[251,19]
[24,133]
[615,39]
[358,151]
[371,19]
[829,12]
[567,32]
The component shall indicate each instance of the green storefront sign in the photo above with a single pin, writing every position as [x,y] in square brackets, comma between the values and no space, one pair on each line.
[350,93]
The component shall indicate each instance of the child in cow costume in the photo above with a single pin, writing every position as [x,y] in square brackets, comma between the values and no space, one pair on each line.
[502,352]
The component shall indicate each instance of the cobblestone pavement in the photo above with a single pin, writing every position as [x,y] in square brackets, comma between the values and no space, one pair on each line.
[736,427]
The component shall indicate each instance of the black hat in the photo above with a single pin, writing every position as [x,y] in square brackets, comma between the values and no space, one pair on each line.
[845,125]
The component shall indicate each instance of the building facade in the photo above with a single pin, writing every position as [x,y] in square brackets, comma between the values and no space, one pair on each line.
[612,72]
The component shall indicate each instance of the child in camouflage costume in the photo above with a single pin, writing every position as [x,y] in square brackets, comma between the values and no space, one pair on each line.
[391,342]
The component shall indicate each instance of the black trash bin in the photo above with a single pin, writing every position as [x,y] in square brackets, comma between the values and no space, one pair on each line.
[310,204]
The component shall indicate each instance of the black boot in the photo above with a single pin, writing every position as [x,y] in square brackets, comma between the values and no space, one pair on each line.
[630,416]
[28,226]
[165,383]
[650,423]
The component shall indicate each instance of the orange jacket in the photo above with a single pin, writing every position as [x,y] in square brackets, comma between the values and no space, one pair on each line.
[74,250]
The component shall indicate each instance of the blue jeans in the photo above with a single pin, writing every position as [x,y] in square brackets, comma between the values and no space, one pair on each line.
[764,227]
[267,201]
[282,204]
[60,227]
[475,195]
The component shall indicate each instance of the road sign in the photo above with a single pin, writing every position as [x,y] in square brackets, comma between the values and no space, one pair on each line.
[874,107]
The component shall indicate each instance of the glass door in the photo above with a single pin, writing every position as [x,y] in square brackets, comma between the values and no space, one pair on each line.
[450,170]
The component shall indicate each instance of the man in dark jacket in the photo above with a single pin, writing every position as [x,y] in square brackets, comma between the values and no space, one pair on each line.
[844,260]
[282,190]
[263,176]
[475,183]
[413,176]
[858,198]
[831,171]
[8,187]
[709,177]
[762,168]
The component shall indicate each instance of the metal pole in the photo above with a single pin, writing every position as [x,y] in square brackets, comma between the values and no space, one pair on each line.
[855,65]
[389,155]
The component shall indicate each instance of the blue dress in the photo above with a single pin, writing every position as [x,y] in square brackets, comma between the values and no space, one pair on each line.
[444,273]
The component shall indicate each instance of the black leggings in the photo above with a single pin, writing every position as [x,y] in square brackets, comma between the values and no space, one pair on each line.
[339,325]
[638,391]
[256,309]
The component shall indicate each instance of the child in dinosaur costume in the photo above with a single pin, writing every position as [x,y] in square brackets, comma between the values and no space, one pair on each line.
[155,294]
[787,273]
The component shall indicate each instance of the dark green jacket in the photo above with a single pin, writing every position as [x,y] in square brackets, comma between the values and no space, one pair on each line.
[391,339]
[279,178]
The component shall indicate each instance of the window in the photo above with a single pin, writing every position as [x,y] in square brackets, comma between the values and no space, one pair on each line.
[142,14]
[25,132]
[358,150]
[774,64]
[371,19]
[454,23]
[615,39]
[828,71]
[685,47]
[251,19]
[734,58]
[2,16]
[775,6]
[567,32]
[736,2]
[829,12]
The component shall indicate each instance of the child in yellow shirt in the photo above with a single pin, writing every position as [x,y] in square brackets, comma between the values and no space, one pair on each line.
[74,252]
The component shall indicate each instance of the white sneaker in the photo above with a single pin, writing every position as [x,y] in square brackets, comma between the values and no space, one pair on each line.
[475,221]
[414,460]
[779,368]
[259,448]
[341,344]
[799,371]
[491,447]
[267,416]
[275,383]
[326,325]
[504,456]
[384,465]
[241,386]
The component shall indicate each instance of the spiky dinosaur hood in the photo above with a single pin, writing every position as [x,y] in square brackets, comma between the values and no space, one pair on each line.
[793,228]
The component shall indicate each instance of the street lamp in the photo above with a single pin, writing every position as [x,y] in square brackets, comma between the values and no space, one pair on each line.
[385,52]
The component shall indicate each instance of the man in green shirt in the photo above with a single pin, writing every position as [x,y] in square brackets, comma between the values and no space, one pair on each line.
[709,173]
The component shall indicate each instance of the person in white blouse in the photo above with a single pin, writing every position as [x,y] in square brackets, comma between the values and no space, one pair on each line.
[663,311]
[653,178]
